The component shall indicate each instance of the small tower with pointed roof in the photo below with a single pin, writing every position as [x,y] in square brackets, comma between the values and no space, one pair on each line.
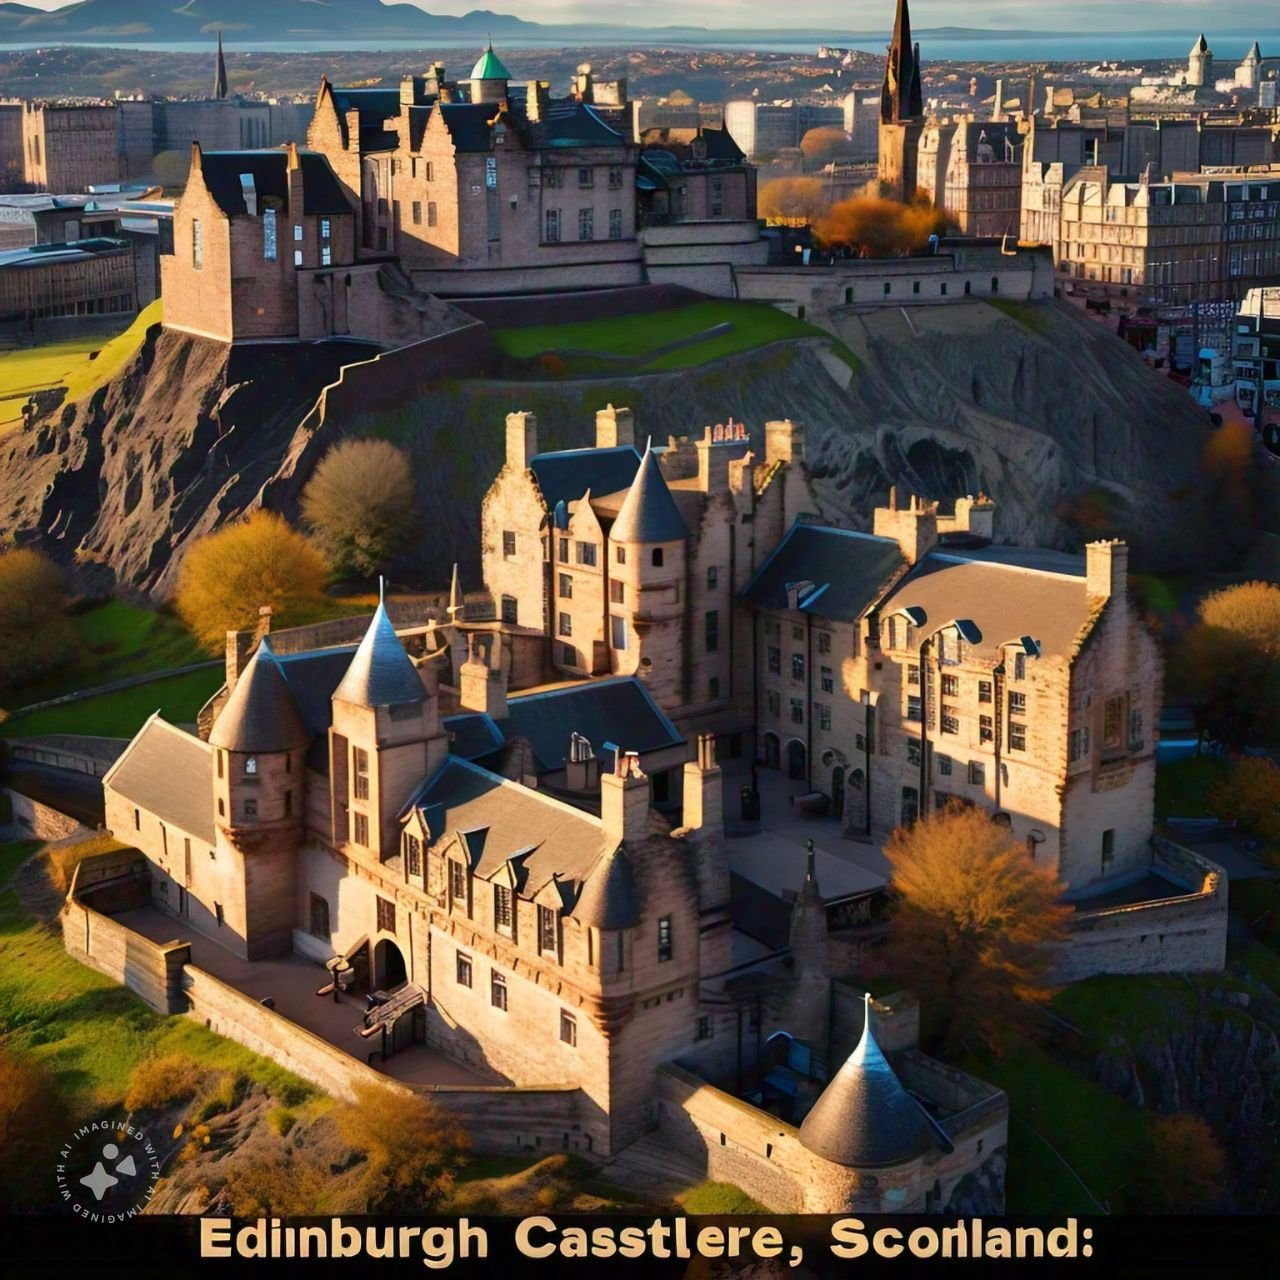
[220,87]
[1249,72]
[1200,64]
[384,739]
[901,111]
[489,78]
[259,743]
[647,551]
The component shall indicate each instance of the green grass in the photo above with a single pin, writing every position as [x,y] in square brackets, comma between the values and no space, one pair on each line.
[1029,317]
[1182,788]
[67,364]
[115,640]
[13,855]
[121,714]
[89,1031]
[635,337]
[718,1198]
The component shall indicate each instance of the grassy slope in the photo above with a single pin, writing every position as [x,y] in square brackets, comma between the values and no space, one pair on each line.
[67,364]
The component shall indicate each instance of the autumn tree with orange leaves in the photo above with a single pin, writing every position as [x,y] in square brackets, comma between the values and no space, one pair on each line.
[970,928]
[873,227]
[792,201]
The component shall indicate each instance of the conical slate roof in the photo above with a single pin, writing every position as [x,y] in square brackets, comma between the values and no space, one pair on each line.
[608,899]
[220,72]
[489,67]
[1254,54]
[649,512]
[1201,45]
[381,674]
[865,1119]
[261,714]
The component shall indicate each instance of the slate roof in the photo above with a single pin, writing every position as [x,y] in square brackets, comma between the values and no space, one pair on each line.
[468,123]
[374,105]
[1006,591]
[381,673]
[569,123]
[505,819]
[619,710]
[270,169]
[261,715]
[565,476]
[169,773]
[609,899]
[848,571]
[864,1118]
[472,735]
[649,513]
[720,145]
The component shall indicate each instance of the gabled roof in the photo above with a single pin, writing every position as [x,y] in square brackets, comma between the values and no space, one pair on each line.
[847,571]
[374,105]
[566,475]
[472,735]
[649,513]
[609,899]
[468,123]
[261,715]
[381,673]
[168,773]
[864,1118]
[222,171]
[566,122]
[720,145]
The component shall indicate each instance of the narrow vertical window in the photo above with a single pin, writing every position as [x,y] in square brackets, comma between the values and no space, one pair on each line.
[197,244]
[270,235]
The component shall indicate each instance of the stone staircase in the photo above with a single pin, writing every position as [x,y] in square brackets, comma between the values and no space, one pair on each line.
[653,1169]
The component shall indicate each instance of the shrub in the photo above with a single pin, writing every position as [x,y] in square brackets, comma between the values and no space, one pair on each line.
[877,228]
[229,576]
[156,1082]
[32,1115]
[226,1095]
[287,1184]
[35,634]
[280,1120]
[1249,794]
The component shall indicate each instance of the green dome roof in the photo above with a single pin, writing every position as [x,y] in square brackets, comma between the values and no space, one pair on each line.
[489,67]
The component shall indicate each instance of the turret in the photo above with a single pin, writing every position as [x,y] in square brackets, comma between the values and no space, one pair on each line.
[1200,63]
[489,78]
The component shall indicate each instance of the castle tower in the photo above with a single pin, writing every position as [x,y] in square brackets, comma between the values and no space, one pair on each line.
[489,78]
[1200,64]
[807,1008]
[647,590]
[384,739]
[260,741]
[220,89]
[901,111]
[1249,72]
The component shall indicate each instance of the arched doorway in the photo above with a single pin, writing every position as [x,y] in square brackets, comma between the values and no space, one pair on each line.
[796,756]
[389,970]
[837,791]
[772,751]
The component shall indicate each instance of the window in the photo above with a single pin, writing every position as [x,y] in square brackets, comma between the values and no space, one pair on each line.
[297,257]
[270,235]
[498,992]
[944,765]
[586,177]
[548,933]
[913,752]
[568,655]
[888,288]
[712,630]
[977,773]
[665,946]
[457,881]
[197,244]
[508,543]
[510,609]
[1017,704]
[251,766]
[413,851]
[1108,847]
[566,586]
[797,711]
[222,755]
[986,729]
[713,687]
[433,217]
[564,550]
[702,1028]
[430,170]
[617,591]
[218,914]
[386,916]
[491,171]
[320,917]
[910,806]
[552,232]
[326,229]
[618,632]
[1078,744]
[915,286]
[995,284]
[568,1028]
[615,224]
[1112,720]
[462,970]
[984,691]
[1017,736]
[913,707]
[913,675]
[797,632]
[587,553]
[1019,666]
[950,720]
[297,232]
[713,576]
[824,715]
[657,557]
[773,700]
[586,224]
[826,679]
[615,178]
[620,555]
[417,213]
[950,686]
[502,908]
[360,773]
[775,659]
[797,666]
[361,830]
[824,641]
[565,625]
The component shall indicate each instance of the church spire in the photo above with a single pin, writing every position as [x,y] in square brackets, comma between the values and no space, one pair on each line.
[220,74]
[902,97]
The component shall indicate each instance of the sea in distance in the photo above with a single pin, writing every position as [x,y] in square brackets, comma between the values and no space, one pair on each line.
[968,47]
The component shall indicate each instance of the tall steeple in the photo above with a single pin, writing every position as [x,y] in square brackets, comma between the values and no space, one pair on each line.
[902,97]
[220,74]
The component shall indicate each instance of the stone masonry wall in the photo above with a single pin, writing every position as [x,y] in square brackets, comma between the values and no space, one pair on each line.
[40,820]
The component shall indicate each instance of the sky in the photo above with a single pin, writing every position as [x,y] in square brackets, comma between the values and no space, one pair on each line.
[870,15]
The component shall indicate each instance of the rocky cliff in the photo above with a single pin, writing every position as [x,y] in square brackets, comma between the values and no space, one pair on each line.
[1059,421]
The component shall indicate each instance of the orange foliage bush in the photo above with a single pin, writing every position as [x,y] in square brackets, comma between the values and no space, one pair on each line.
[874,227]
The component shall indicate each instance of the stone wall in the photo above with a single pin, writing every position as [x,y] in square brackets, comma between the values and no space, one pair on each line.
[112,882]
[1186,934]
[575,308]
[40,820]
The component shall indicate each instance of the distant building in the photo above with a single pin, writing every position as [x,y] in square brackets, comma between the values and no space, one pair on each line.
[88,278]
[764,129]
[1200,64]
[902,116]
[974,171]
[1256,352]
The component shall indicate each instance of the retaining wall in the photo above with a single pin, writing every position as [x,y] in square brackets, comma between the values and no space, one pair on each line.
[39,819]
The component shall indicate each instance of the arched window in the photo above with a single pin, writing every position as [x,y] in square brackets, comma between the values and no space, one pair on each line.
[251,765]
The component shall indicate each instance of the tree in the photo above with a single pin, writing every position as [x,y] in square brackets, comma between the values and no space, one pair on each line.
[1184,1166]
[32,1118]
[1249,794]
[970,926]
[877,228]
[826,143]
[1229,663]
[35,634]
[792,201]
[288,1183]
[360,503]
[228,576]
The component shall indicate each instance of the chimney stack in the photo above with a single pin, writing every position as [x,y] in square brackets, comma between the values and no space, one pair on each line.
[914,529]
[703,794]
[624,800]
[1107,568]
[615,428]
[784,441]
[482,682]
[522,440]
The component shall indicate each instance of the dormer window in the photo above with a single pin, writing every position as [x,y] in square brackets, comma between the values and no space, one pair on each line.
[251,766]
